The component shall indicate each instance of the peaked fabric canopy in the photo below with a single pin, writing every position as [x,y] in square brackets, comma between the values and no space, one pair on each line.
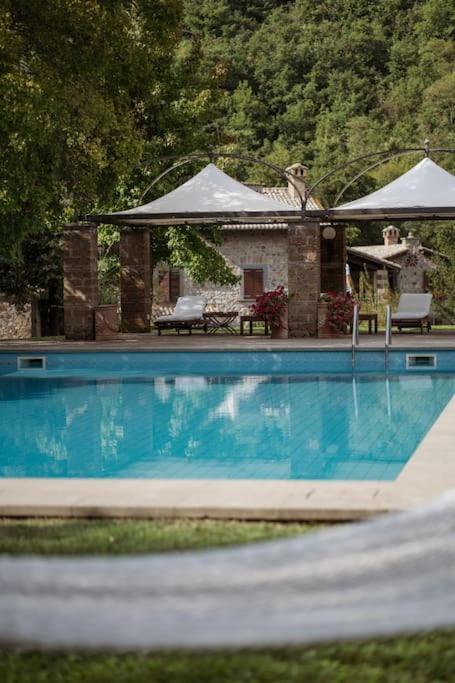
[210,196]
[426,191]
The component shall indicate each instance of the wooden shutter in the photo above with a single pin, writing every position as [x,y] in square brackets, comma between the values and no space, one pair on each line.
[163,279]
[253,282]
[174,285]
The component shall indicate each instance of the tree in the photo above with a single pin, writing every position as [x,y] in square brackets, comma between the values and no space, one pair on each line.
[35,271]
[443,277]
[82,85]
[89,91]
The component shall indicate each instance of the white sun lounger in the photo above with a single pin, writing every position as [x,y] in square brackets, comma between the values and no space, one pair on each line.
[413,311]
[188,313]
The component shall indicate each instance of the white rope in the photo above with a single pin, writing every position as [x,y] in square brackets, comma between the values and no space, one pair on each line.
[394,574]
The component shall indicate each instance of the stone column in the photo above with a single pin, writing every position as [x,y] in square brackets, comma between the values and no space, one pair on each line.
[333,262]
[304,277]
[135,279]
[80,284]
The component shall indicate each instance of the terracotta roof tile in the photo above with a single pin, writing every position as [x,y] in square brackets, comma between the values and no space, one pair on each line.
[383,251]
[280,194]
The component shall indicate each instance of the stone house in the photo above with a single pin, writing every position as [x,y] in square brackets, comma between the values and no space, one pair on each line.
[257,253]
[403,265]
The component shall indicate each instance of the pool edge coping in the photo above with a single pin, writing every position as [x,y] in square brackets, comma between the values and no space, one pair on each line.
[429,472]
[68,347]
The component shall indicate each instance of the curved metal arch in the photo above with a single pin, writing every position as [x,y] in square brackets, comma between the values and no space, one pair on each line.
[345,164]
[185,160]
[426,149]
[212,156]
[365,170]
[385,156]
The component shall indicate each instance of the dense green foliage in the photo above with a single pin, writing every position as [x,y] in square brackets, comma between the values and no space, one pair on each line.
[324,82]
[36,271]
[94,93]
[75,115]
[321,82]
[91,91]
[443,277]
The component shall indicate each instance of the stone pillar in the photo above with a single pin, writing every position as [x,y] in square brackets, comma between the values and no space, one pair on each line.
[80,284]
[333,261]
[135,279]
[304,277]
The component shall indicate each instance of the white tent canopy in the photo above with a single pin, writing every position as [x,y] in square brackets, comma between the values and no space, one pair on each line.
[210,196]
[426,191]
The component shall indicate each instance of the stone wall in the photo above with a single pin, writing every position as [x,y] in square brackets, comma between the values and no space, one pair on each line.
[15,323]
[267,248]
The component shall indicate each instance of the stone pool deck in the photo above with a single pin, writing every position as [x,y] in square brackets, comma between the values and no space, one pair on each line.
[429,472]
[437,339]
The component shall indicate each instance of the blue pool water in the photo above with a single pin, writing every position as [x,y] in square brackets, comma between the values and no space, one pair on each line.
[98,422]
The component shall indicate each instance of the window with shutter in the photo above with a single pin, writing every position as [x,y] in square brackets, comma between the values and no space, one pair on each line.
[169,284]
[253,282]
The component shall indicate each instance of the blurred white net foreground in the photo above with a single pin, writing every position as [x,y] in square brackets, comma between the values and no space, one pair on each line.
[394,574]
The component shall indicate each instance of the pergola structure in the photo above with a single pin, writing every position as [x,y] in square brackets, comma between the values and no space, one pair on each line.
[425,192]
[211,196]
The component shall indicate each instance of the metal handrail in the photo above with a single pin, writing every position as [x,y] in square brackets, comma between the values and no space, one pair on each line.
[388,335]
[355,397]
[355,332]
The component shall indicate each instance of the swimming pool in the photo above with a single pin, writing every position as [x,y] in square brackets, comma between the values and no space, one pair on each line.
[172,416]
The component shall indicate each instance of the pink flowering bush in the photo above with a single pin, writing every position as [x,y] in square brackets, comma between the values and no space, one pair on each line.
[271,305]
[341,309]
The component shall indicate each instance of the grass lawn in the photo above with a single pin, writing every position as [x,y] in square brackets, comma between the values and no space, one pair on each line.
[109,537]
[423,659]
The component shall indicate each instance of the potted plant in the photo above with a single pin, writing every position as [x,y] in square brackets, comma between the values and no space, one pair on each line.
[272,306]
[335,311]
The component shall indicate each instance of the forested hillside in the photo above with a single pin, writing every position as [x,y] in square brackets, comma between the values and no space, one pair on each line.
[95,94]
[323,81]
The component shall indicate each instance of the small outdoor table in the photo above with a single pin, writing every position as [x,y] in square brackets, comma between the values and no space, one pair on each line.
[220,320]
[371,319]
[253,319]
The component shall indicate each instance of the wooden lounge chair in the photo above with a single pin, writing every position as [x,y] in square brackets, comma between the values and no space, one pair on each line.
[187,315]
[413,311]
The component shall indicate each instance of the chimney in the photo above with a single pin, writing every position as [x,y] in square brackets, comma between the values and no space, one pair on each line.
[298,173]
[391,235]
[411,241]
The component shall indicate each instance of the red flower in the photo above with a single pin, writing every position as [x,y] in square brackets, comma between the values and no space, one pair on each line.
[341,309]
[271,305]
